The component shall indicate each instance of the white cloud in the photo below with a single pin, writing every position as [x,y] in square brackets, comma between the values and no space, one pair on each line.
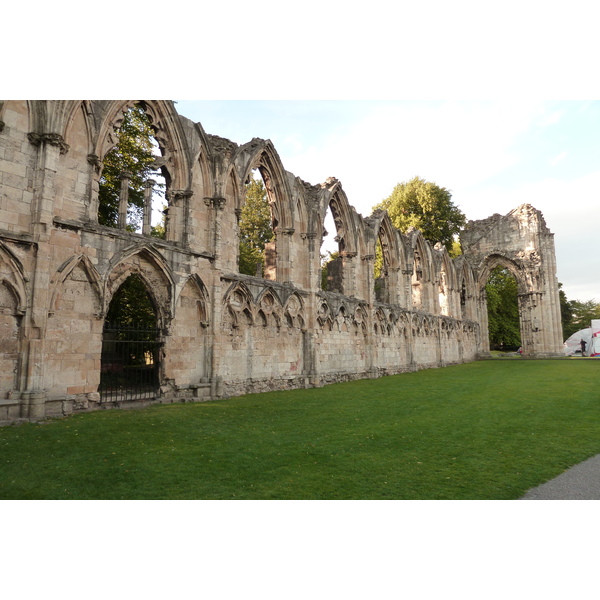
[558,158]
[464,147]
[457,145]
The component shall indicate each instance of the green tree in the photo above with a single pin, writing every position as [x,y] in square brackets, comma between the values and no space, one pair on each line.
[427,207]
[325,260]
[566,311]
[131,305]
[256,228]
[503,309]
[582,315]
[135,152]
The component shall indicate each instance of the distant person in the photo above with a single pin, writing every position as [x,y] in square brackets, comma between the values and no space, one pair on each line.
[583,345]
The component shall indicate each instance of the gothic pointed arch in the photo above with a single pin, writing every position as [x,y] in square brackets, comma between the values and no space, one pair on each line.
[467,290]
[262,155]
[342,271]
[195,288]
[294,311]
[422,270]
[12,275]
[270,305]
[79,128]
[167,131]
[347,234]
[239,304]
[445,277]
[269,295]
[301,218]
[188,350]
[152,269]
[166,161]
[495,260]
[77,268]
[389,285]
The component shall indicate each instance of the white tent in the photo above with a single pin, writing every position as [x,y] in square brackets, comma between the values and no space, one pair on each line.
[591,337]
[595,347]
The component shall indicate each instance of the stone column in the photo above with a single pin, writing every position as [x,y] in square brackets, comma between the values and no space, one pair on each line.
[50,147]
[147,226]
[406,291]
[216,204]
[125,178]
[349,274]
[283,243]
[368,293]
[178,215]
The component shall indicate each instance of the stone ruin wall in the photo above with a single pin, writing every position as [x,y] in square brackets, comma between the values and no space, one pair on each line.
[225,333]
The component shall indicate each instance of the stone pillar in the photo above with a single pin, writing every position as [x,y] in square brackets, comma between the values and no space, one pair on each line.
[50,147]
[96,167]
[406,291]
[217,204]
[35,400]
[283,243]
[368,283]
[125,178]
[147,226]
[349,273]
[178,216]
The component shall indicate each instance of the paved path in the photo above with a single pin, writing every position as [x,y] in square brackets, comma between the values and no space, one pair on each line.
[581,482]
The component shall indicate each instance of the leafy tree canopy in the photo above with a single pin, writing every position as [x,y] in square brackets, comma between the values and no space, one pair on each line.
[134,152]
[325,260]
[256,228]
[566,312]
[503,309]
[131,305]
[427,207]
[582,315]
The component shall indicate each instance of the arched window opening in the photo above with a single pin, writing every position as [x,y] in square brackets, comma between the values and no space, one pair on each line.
[463,299]
[134,181]
[443,292]
[417,281]
[256,235]
[380,271]
[10,323]
[331,262]
[503,311]
[131,345]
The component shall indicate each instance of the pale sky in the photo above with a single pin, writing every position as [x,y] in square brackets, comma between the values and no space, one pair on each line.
[492,155]
[436,65]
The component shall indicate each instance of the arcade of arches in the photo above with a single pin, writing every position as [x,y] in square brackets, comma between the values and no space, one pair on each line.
[218,332]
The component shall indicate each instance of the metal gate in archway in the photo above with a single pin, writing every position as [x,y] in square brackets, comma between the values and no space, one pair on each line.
[130,362]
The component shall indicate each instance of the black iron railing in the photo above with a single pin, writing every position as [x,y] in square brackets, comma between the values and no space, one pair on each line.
[130,362]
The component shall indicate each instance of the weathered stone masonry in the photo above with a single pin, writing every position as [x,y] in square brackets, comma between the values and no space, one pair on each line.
[224,333]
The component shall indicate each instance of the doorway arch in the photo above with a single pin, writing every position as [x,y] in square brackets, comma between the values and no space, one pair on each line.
[131,345]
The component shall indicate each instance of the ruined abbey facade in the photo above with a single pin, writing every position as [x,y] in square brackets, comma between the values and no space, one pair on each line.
[221,333]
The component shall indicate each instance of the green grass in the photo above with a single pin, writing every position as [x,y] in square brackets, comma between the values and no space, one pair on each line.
[484,430]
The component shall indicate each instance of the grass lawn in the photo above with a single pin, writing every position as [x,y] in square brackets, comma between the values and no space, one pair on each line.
[484,430]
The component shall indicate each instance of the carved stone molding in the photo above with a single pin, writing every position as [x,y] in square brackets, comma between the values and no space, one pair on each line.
[2,124]
[94,160]
[179,194]
[215,202]
[54,139]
